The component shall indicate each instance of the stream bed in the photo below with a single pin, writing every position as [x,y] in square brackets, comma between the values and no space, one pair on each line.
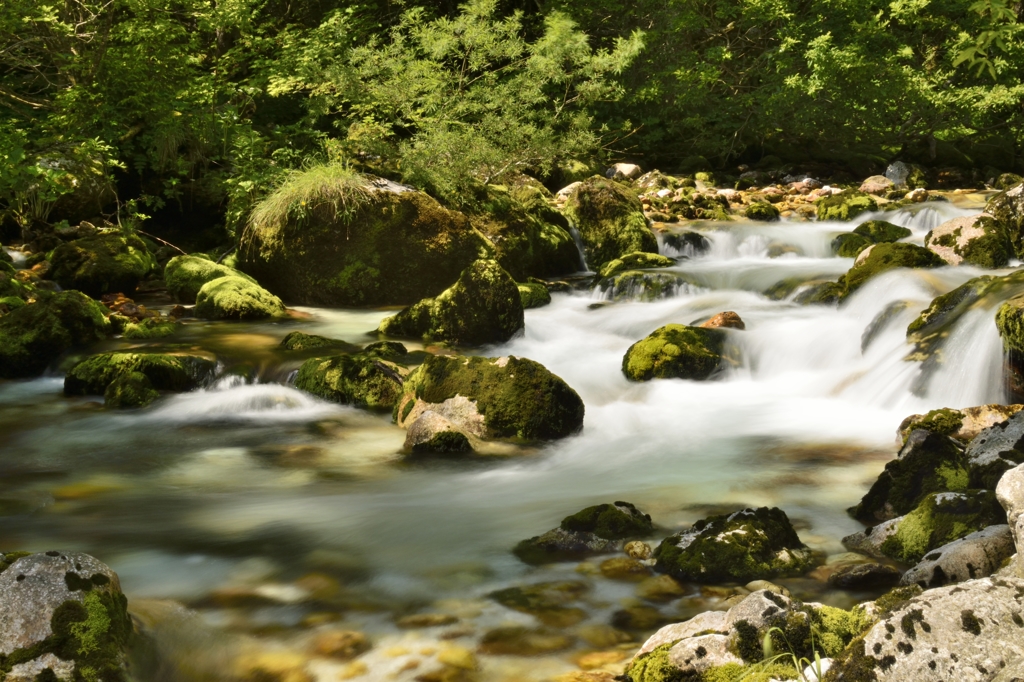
[246,518]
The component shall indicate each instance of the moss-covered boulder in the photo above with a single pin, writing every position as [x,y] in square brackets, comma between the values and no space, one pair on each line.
[849,245]
[386,245]
[36,334]
[235,298]
[881,231]
[302,341]
[106,263]
[534,295]
[977,240]
[1007,208]
[64,618]
[845,206]
[761,211]
[614,521]
[150,328]
[928,462]
[634,261]
[176,372]
[645,285]
[186,275]
[512,397]
[675,351]
[483,306]
[884,257]
[363,379]
[610,221]
[752,544]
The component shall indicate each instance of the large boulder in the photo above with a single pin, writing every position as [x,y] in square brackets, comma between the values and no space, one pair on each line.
[533,295]
[996,450]
[977,240]
[64,617]
[1010,493]
[675,351]
[235,298]
[610,221]
[186,275]
[1007,208]
[751,544]
[507,397]
[175,372]
[849,244]
[36,334]
[880,258]
[845,206]
[977,555]
[388,245]
[362,379]
[483,306]
[927,463]
[106,263]
[968,631]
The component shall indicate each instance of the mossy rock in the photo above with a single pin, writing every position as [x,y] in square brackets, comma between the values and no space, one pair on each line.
[518,398]
[534,295]
[634,261]
[752,544]
[943,421]
[644,285]
[393,248]
[928,463]
[614,521]
[1007,208]
[165,372]
[530,237]
[675,351]
[107,263]
[881,231]
[761,211]
[845,206]
[610,221]
[186,275]
[559,544]
[234,298]
[885,257]
[939,519]
[849,245]
[977,240]
[303,341]
[483,306]
[36,334]
[688,243]
[1010,323]
[150,328]
[364,380]
[133,389]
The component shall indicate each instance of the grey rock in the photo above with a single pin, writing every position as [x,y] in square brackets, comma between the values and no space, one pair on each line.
[869,541]
[1010,493]
[864,577]
[978,555]
[996,450]
[696,655]
[715,621]
[966,632]
[758,608]
[30,670]
[562,545]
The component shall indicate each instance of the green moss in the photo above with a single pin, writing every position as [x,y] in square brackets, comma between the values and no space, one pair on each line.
[363,380]
[885,257]
[35,335]
[8,558]
[761,672]
[534,295]
[445,442]
[150,328]
[165,372]
[880,231]
[991,250]
[518,398]
[133,389]
[9,303]
[752,544]
[234,298]
[1010,322]
[945,421]
[845,206]
[939,519]
[610,221]
[103,264]
[633,261]
[186,275]
[610,521]
[654,666]
[761,211]
[394,248]
[675,351]
[303,341]
[896,598]
[849,245]
[483,306]
[836,628]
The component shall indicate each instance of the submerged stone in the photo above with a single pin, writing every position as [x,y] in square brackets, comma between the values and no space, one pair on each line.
[103,264]
[34,335]
[186,275]
[483,306]
[610,221]
[234,298]
[747,545]
[675,351]
[549,602]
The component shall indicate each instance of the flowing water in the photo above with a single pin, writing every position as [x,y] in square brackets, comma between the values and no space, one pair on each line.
[236,499]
